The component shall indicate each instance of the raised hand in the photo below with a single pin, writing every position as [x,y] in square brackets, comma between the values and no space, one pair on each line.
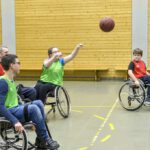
[79,45]
[18,127]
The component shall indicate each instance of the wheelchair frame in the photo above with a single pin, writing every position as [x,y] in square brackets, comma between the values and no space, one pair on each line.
[62,101]
[132,97]
[10,138]
[59,101]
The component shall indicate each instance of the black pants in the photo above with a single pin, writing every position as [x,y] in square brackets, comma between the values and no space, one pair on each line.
[42,88]
[26,92]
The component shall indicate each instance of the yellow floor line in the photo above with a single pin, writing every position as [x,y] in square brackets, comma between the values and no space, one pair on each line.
[106,138]
[99,117]
[111,126]
[104,123]
[79,111]
[91,106]
[83,148]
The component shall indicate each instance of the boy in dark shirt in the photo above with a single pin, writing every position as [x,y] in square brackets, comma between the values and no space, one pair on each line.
[137,70]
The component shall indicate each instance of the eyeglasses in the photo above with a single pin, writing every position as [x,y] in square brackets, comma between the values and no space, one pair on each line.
[55,52]
[18,63]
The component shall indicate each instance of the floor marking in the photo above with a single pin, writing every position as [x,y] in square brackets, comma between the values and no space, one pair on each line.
[106,138]
[77,111]
[104,123]
[99,117]
[111,126]
[83,148]
[91,106]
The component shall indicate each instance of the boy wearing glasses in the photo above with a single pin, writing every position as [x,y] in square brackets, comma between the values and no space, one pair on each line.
[15,112]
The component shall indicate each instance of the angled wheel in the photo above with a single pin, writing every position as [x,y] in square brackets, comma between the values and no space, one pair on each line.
[131,97]
[10,138]
[63,101]
[30,128]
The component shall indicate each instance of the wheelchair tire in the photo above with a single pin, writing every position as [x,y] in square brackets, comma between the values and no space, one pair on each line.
[63,101]
[11,138]
[131,98]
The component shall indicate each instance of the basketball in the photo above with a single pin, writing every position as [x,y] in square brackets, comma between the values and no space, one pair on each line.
[107,24]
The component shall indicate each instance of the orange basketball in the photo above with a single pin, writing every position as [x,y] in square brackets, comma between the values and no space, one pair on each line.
[107,24]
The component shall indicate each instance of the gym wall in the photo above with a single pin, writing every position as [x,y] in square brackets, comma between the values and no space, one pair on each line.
[64,23]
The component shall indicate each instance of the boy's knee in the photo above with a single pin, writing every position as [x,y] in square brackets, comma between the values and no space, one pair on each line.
[34,112]
[39,103]
[33,109]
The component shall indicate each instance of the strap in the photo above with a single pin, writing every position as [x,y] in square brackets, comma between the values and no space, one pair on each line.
[26,116]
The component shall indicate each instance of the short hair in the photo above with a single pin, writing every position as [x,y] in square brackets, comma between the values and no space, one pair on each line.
[7,60]
[138,51]
[50,50]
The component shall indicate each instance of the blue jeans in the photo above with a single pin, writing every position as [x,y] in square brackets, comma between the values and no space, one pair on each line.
[35,114]
[146,80]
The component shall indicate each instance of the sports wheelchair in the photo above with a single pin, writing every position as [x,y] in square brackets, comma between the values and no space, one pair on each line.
[10,139]
[132,97]
[60,98]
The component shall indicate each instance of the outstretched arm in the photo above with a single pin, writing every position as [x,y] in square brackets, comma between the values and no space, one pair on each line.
[73,54]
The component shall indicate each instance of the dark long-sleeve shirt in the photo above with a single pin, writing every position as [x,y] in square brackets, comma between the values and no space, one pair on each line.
[4,112]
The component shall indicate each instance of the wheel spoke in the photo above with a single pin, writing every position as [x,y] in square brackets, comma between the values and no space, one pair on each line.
[131,97]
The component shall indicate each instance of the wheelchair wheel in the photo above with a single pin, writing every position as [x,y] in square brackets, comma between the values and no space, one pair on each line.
[31,134]
[10,139]
[131,97]
[63,101]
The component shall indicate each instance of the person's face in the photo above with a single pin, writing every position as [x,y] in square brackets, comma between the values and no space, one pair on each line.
[55,51]
[4,52]
[137,57]
[16,66]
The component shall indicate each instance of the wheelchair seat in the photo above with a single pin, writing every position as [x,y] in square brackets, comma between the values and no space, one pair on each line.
[51,94]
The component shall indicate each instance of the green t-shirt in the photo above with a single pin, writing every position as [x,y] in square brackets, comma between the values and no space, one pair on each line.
[11,97]
[54,74]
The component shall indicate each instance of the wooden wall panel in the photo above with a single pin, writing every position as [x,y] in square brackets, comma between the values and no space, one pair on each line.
[64,23]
